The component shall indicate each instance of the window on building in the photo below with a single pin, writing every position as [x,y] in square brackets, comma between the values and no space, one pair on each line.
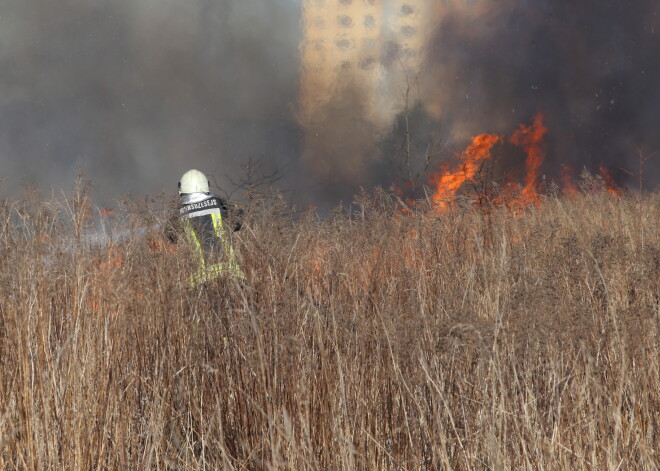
[369,44]
[367,63]
[408,31]
[343,44]
[408,53]
[344,21]
[407,10]
[390,53]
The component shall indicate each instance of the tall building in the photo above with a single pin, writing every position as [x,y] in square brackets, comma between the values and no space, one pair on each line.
[377,45]
[342,38]
[408,28]
[360,60]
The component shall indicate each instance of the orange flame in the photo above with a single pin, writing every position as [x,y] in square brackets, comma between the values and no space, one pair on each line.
[159,245]
[106,212]
[610,184]
[447,183]
[530,138]
[113,259]
[107,267]
[515,197]
[567,177]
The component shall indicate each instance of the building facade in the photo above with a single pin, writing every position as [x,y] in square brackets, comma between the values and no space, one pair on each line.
[377,45]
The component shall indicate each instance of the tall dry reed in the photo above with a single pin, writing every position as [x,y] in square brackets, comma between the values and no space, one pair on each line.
[371,339]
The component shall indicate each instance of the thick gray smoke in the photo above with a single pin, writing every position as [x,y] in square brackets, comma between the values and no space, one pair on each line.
[134,92]
[592,67]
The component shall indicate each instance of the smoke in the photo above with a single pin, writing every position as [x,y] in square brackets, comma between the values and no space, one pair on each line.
[339,147]
[134,92]
[591,67]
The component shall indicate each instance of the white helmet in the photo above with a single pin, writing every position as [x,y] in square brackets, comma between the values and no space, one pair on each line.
[194,181]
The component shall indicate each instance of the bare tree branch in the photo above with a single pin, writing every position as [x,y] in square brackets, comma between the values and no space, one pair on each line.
[255,176]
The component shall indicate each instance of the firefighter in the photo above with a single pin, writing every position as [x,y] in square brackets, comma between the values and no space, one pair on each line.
[204,220]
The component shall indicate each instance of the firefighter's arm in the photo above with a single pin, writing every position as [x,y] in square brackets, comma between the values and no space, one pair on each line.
[237,218]
[234,215]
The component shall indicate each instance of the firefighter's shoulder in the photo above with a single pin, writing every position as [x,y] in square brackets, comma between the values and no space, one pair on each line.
[204,206]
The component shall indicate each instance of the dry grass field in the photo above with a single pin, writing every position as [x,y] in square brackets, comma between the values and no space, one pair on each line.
[368,340]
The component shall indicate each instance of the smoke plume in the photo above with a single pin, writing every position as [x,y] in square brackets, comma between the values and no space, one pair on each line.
[591,67]
[134,92]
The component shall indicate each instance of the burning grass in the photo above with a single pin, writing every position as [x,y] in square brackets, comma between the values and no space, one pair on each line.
[377,341]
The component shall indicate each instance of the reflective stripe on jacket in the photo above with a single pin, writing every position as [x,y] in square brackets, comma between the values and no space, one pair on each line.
[203,222]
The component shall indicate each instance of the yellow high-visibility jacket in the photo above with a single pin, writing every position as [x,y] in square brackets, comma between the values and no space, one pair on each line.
[204,219]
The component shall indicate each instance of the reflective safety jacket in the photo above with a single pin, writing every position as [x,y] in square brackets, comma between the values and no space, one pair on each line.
[204,219]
